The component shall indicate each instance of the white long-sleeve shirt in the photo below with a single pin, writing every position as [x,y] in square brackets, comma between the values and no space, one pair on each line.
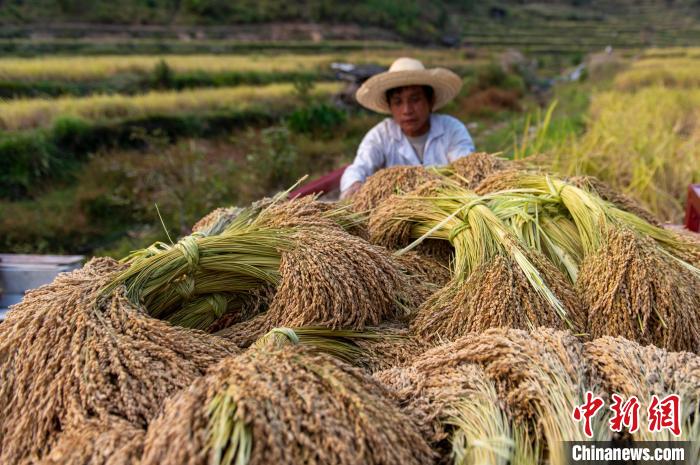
[386,145]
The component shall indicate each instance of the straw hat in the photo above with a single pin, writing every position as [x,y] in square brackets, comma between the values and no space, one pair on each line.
[408,72]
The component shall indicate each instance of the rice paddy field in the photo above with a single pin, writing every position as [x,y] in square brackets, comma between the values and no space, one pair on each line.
[460,314]
[641,134]
[23,114]
[78,68]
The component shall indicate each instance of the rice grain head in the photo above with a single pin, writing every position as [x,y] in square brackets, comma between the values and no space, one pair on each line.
[424,270]
[69,354]
[335,280]
[469,171]
[387,182]
[394,345]
[496,295]
[634,290]
[109,441]
[285,407]
[216,221]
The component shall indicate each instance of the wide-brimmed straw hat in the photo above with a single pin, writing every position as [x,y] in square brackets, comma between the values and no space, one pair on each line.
[408,72]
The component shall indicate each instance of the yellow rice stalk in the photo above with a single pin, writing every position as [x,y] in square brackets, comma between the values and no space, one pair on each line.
[482,432]
[620,200]
[341,344]
[591,214]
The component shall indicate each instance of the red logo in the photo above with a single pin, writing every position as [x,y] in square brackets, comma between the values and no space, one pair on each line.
[662,414]
[587,411]
[625,414]
[665,414]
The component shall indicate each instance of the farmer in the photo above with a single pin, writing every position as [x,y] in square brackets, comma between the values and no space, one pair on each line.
[413,135]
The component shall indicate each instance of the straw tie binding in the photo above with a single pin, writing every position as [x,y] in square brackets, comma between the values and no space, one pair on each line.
[190,251]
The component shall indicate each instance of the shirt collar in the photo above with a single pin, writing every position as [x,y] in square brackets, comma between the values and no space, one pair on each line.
[436,129]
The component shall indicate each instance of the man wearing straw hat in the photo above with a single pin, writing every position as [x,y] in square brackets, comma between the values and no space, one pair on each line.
[413,135]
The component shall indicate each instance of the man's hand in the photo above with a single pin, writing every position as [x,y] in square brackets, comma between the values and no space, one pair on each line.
[350,191]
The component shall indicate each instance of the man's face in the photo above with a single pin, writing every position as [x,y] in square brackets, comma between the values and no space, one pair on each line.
[411,110]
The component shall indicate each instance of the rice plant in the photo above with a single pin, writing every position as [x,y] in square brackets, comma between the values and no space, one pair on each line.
[23,114]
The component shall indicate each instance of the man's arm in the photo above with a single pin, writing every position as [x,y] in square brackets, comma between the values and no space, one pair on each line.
[369,158]
[461,143]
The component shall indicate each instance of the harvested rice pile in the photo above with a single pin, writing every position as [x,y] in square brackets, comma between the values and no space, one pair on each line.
[633,290]
[388,181]
[463,330]
[69,355]
[284,407]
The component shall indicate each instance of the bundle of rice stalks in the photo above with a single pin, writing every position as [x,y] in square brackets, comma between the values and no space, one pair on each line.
[299,247]
[469,171]
[68,353]
[332,279]
[592,215]
[637,280]
[496,295]
[633,289]
[388,181]
[432,397]
[283,406]
[630,369]
[482,243]
[539,377]
[110,441]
